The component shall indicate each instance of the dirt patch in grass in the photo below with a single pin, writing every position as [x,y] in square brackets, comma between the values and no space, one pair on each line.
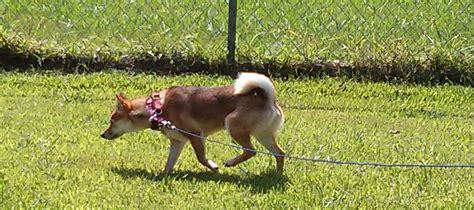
[436,70]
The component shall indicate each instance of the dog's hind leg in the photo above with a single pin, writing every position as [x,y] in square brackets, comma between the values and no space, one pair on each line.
[200,150]
[175,150]
[242,137]
[268,141]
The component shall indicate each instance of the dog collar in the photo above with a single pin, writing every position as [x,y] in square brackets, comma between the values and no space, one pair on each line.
[153,107]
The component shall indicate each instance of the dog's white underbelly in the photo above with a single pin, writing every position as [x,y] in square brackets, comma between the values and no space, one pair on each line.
[173,134]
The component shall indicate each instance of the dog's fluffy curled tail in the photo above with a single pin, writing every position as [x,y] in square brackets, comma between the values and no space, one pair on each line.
[248,81]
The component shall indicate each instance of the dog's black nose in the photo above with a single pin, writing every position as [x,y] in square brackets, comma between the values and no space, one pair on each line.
[102,135]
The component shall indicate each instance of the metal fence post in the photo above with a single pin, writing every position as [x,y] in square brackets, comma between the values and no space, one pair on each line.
[231,31]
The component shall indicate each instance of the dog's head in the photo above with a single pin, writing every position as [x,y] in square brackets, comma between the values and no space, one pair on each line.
[128,116]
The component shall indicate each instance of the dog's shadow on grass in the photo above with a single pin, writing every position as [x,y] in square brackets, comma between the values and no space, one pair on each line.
[259,183]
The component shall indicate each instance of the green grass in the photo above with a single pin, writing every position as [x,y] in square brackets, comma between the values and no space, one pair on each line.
[51,154]
[408,36]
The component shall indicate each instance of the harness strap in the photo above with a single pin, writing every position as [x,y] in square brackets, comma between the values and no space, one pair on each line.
[153,106]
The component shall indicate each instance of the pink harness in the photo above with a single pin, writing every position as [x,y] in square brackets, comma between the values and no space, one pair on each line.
[153,106]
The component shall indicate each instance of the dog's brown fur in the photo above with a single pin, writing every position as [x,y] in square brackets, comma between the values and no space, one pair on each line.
[244,109]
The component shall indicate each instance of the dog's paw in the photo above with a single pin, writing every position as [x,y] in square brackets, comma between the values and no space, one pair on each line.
[213,166]
[228,163]
[216,169]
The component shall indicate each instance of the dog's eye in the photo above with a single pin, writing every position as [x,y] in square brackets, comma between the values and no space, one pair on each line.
[111,122]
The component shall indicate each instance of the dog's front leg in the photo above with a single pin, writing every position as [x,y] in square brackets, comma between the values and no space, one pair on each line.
[199,149]
[175,150]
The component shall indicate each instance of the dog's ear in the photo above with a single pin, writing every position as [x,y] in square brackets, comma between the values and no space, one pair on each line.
[123,103]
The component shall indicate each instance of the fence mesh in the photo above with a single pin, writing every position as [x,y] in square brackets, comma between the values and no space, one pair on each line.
[349,30]
[189,27]
[267,30]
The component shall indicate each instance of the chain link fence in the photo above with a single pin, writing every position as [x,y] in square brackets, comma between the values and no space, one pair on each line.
[267,30]
[191,27]
[350,30]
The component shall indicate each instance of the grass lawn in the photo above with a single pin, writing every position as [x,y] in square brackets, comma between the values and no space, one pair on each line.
[51,154]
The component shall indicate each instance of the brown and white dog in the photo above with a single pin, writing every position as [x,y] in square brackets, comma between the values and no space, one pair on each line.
[246,108]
